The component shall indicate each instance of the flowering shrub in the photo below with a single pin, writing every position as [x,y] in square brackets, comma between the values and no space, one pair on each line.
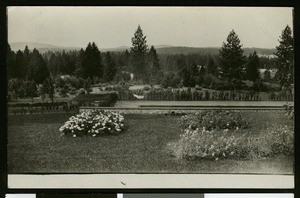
[275,139]
[289,110]
[93,123]
[218,120]
[202,143]
[220,134]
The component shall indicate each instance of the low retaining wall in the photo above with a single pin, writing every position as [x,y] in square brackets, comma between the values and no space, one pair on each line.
[180,110]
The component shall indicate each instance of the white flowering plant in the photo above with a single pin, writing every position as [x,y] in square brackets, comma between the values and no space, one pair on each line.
[275,139]
[93,123]
[209,144]
[214,120]
[221,134]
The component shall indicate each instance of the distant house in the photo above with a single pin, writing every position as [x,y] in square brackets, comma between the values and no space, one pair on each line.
[64,76]
[267,56]
[272,72]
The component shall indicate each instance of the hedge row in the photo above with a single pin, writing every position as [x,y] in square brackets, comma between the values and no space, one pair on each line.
[39,109]
[103,99]
[178,95]
[39,104]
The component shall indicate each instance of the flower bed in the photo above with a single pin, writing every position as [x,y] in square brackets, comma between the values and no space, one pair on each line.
[202,143]
[275,139]
[221,134]
[93,123]
[214,119]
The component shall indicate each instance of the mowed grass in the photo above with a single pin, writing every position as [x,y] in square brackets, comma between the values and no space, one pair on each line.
[35,145]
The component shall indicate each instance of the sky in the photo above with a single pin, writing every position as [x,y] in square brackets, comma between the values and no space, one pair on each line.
[177,26]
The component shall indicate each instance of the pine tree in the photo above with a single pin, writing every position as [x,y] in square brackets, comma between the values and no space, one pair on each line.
[126,58]
[138,53]
[53,65]
[110,69]
[48,88]
[285,54]
[18,69]
[252,66]
[189,75]
[91,62]
[31,89]
[10,61]
[211,67]
[26,54]
[153,68]
[78,65]
[37,68]
[232,60]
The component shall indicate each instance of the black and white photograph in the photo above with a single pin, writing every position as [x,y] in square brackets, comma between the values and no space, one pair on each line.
[150,90]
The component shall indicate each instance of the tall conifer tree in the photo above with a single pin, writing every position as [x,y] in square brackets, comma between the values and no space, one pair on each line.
[138,53]
[253,64]
[285,54]
[232,60]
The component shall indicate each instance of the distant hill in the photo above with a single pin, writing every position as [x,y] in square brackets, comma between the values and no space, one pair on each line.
[42,47]
[164,49]
[123,48]
[161,49]
[209,50]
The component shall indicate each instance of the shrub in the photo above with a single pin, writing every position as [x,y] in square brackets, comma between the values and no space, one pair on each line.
[271,86]
[289,111]
[73,91]
[147,88]
[211,135]
[275,139]
[22,88]
[109,97]
[81,91]
[214,119]
[220,134]
[93,123]
[170,80]
[202,143]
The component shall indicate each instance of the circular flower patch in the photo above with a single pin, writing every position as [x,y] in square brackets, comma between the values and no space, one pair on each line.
[93,123]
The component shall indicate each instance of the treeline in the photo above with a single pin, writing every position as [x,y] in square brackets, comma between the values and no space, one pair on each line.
[142,64]
[112,66]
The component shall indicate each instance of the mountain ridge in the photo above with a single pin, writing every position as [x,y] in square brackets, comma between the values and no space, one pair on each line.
[161,49]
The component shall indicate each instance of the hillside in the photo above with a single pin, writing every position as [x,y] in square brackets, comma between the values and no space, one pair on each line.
[42,47]
[209,50]
[161,49]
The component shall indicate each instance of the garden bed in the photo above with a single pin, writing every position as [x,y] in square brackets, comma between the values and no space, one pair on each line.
[35,145]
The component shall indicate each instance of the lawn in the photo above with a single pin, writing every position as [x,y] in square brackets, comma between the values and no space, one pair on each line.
[35,145]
